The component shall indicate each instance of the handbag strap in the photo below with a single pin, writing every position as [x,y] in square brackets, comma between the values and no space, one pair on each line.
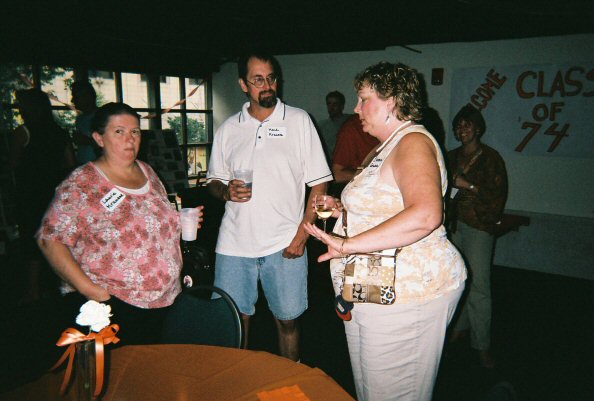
[346,235]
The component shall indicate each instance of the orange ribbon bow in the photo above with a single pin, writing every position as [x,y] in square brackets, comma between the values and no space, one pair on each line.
[71,337]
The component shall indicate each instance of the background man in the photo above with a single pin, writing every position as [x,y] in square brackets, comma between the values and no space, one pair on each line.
[261,234]
[352,146]
[84,99]
[329,127]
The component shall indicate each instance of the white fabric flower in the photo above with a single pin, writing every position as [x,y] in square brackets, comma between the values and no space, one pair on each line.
[94,314]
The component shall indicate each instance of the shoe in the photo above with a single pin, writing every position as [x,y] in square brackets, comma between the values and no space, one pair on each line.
[486,359]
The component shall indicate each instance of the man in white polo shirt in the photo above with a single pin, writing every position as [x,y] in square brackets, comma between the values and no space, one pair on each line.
[261,235]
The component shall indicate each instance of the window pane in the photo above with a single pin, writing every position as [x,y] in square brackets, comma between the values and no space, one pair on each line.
[197,132]
[104,84]
[135,90]
[197,160]
[198,99]
[173,121]
[66,119]
[56,81]
[169,92]
[144,122]
[12,77]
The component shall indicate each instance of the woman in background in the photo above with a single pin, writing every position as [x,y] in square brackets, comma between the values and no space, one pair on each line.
[479,194]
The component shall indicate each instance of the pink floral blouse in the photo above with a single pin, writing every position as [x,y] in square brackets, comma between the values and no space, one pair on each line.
[127,244]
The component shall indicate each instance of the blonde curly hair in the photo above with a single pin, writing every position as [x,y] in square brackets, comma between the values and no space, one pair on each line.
[397,81]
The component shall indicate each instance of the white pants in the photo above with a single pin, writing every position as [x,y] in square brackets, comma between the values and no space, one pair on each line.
[395,350]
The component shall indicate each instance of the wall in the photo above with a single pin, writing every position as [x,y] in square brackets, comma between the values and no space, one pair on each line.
[557,193]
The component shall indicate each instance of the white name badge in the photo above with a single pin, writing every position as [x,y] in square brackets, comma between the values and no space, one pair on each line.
[112,199]
[374,165]
[277,132]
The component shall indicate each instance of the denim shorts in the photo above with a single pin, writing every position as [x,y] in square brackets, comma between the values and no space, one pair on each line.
[283,280]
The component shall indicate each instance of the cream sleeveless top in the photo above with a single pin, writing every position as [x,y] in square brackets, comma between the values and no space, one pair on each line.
[426,269]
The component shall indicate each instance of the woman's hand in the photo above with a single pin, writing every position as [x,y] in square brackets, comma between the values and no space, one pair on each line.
[462,183]
[334,243]
[200,215]
[334,203]
[96,293]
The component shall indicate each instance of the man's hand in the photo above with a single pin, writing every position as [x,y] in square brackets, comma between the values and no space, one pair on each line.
[297,246]
[238,192]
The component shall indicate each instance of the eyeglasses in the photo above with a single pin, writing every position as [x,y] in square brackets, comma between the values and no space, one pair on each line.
[259,81]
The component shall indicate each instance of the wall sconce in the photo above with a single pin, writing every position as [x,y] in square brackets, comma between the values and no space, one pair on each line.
[437,76]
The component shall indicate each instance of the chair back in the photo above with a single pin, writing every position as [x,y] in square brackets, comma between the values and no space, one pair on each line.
[205,315]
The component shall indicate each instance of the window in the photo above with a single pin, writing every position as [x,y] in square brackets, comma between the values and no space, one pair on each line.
[101,74]
[191,120]
[150,95]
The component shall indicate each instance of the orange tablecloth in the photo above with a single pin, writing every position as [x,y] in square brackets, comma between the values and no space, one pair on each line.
[191,372]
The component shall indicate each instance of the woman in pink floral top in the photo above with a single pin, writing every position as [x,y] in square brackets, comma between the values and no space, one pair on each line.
[111,233]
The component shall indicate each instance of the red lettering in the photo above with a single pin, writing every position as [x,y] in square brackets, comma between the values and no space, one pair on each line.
[540,92]
[474,99]
[534,127]
[539,115]
[558,85]
[589,77]
[486,93]
[495,78]
[552,130]
[572,82]
[520,85]
[556,107]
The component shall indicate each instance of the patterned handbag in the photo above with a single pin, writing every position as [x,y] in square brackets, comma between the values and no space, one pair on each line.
[369,277]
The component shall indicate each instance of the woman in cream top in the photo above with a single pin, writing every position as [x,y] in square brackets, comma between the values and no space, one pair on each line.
[397,202]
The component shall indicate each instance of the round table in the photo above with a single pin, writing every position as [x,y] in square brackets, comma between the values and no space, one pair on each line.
[194,372]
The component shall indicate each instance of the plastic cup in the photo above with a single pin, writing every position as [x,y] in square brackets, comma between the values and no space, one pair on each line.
[245,176]
[189,223]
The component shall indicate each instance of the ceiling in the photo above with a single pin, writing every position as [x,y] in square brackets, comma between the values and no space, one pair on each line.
[196,37]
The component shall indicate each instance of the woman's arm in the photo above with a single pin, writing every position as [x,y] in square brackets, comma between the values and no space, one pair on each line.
[413,166]
[63,263]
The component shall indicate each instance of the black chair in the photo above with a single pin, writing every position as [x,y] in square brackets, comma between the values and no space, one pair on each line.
[198,317]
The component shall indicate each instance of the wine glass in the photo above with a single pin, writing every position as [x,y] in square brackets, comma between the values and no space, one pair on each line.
[324,205]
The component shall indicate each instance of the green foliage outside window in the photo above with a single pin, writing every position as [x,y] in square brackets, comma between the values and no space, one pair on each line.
[196,130]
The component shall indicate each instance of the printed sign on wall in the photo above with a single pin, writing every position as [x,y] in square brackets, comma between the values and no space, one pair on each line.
[160,149]
[532,109]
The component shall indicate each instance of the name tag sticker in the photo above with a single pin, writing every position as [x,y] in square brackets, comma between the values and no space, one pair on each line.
[277,132]
[374,165]
[112,199]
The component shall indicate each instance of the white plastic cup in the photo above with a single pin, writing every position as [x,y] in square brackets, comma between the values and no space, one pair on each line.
[189,223]
[245,176]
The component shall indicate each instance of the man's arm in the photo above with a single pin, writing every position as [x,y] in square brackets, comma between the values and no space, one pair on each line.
[297,246]
[342,174]
[218,190]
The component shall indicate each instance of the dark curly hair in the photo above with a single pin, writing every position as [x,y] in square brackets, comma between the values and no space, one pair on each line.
[470,114]
[397,81]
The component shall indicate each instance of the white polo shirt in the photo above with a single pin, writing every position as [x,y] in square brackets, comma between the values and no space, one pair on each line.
[285,154]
